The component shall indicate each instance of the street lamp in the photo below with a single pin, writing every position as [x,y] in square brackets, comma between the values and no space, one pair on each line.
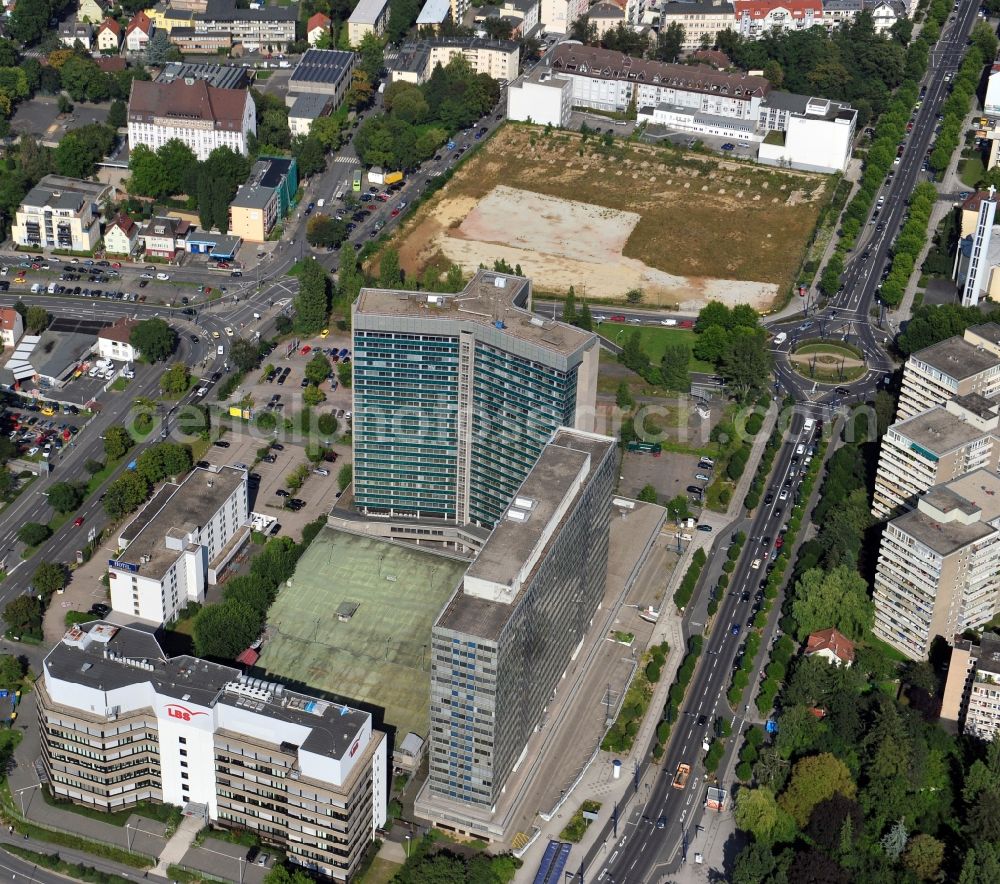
[407,837]
[20,795]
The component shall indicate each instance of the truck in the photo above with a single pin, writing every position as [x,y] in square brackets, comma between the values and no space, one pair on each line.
[681,777]
[645,447]
[392,178]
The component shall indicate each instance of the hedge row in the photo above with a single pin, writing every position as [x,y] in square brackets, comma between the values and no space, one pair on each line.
[763,471]
[684,592]
[955,108]
[911,240]
[676,696]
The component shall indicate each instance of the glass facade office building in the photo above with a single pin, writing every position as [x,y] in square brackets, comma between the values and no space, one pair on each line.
[455,396]
[502,642]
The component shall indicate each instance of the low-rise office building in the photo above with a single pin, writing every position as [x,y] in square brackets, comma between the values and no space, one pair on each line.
[811,134]
[305,110]
[193,42]
[60,213]
[939,565]
[938,444]
[219,76]
[972,692]
[368,17]
[180,542]
[122,723]
[540,97]
[323,72]
[201,116]
[950,368]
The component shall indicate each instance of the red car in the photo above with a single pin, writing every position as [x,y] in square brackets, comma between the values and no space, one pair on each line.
[617,318]
[394,212]
[222,265]
[78,521]
[779,542]
[306,349]
[116,264]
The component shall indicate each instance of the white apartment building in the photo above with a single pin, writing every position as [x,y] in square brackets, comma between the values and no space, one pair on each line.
[557,15]
[939,565]
[540,97]
[368,17]
[937,445]
[115,341]
[811,134]
[267,28]
[951,368]
[123,723]
[700,19]
[972,691]
[192,111]
[60,213]
[754,18]
[179,543]
[499,59]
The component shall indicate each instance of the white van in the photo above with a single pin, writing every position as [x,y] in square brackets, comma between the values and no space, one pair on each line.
[808,426]
[221,350]
[36,288]
[52,288]
[321,202]
[800,450]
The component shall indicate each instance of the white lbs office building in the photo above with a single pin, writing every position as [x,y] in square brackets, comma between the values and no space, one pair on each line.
[122,723]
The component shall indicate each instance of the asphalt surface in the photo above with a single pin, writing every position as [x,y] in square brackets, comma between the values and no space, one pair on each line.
[640,851]
[850,311]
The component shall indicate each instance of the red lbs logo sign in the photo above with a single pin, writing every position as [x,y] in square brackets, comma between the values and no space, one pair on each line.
[182,712]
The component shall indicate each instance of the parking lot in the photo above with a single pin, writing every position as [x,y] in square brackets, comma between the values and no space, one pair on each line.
[40,118]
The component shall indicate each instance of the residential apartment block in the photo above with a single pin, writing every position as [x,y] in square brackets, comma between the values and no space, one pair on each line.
[937,445]
[701,19]
[972,691]
[264,199]
[60,213]
[181,541]
[499,59]
[558,15]
[793,130]
[202,116]
[939,565]
[504,639]
[456,396]
[951,368]
[121,723]
[368,17]
[268,28]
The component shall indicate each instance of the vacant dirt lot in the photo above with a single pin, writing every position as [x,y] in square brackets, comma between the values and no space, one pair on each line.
[682,227]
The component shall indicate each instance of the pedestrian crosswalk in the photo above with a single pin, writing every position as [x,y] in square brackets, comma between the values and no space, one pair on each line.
[349,160]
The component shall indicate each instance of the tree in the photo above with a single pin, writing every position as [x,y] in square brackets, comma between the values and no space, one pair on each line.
[117,114]
[838,599]
[345,476]
[313,395]
[757,812]
[984,38]
[829,281]
[33,533]
[117,442]
[65,497]
[50,577]
[498,29]
[569,307]
[159,48]
[175,380]
[162,461]
[329,131]
[747,364]
[225,630]
[324,231]
[11,671]
[647,494]
[584,319]
[713,313]
[310,154]
[360,92]
[154,339]
[924,856]
[327,424]
[312,304]
[317,369]
[126,494]
[712,344]
[243,355]
[149,178]
[814,779]
[669,43]
[389,274]
[623,398]
[37,320]
[584,30]
[674,367]
[24,615]
[894,841]
[633,296]
[345,373]
[371,60]
[755,863]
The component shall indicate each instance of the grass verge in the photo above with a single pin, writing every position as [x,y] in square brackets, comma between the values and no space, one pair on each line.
[577,826]
[655,340]
[162,813]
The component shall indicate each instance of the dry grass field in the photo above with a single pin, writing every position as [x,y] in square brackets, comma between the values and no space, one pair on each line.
[683,227]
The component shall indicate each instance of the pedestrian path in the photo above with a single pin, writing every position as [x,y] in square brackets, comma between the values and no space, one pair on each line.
[179,844]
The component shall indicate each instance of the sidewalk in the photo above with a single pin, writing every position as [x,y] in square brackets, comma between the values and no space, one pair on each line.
[598,782]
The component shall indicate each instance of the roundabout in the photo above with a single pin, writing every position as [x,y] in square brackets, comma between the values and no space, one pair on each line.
[827,362]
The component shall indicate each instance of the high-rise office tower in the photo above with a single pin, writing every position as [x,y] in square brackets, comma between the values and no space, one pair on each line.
[456,395]
[502,643]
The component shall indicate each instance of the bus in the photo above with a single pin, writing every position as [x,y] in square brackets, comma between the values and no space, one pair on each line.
[357,180]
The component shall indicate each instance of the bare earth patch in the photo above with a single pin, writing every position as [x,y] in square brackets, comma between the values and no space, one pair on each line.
[684,228]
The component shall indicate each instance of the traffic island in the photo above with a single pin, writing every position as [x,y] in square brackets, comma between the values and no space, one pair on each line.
[827,362]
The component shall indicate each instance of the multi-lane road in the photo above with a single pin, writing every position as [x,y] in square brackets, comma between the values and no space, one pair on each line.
[641,851]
